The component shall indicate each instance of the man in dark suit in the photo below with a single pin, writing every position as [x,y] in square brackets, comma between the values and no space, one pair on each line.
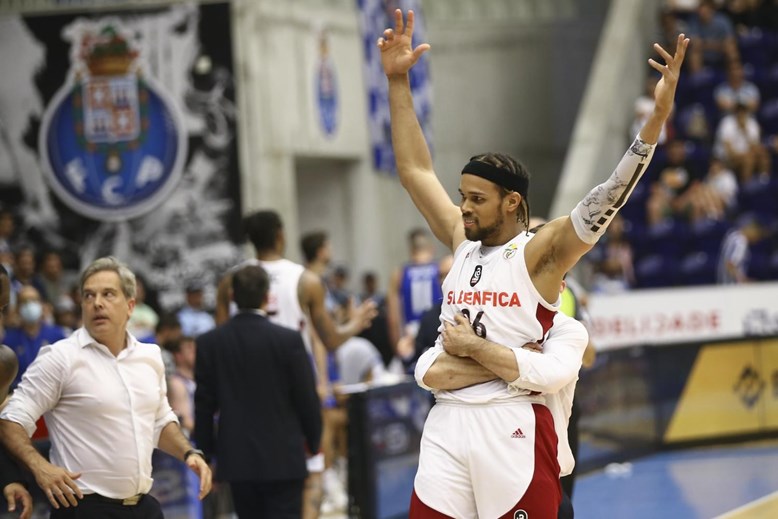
[259,379]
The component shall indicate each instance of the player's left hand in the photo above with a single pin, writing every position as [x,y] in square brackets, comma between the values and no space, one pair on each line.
[664,93]
[459,338]
[201,468]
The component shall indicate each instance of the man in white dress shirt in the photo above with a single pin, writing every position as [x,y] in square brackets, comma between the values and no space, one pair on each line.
[104,398]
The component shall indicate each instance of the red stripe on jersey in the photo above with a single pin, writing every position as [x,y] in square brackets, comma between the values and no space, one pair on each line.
[546,319]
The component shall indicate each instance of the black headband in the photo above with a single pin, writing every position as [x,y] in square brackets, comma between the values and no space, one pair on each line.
[500,176]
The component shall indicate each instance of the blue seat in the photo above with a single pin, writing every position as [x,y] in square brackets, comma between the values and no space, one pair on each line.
[656,271]
[768,117]
[698,268]
[754,48]
[706,236]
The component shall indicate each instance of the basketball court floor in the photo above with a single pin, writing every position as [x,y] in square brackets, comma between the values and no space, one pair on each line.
[724,482]
[738,481]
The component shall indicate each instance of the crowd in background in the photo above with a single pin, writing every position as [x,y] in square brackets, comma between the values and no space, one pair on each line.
[704,211]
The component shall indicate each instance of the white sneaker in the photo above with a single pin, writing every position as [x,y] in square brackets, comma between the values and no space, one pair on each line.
[334,491]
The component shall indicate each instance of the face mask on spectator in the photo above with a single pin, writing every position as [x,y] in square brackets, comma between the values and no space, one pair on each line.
[31,312]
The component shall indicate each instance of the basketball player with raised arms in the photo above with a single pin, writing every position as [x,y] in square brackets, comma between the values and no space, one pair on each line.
[489,448]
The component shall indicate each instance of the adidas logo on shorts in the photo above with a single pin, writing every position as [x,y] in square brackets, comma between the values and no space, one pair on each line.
[518,434]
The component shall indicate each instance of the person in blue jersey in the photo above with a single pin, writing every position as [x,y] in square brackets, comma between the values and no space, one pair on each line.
[414,288]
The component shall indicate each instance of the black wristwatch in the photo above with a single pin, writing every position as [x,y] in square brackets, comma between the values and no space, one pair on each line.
[194,451]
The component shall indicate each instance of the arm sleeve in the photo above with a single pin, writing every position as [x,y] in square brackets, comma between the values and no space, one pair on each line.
[40,389]
[560,361]
[424,363]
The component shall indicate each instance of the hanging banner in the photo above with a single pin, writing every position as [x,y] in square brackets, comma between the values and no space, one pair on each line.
[376,16]
[118,136]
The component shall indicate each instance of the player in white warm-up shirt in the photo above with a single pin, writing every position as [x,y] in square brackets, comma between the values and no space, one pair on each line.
[489,449]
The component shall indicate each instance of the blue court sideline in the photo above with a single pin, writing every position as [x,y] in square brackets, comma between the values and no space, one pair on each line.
[730,482]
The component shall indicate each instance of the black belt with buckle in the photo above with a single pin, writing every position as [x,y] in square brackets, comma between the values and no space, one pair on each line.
[127,501]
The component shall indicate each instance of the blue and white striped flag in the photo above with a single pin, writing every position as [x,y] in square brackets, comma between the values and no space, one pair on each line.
[375,16]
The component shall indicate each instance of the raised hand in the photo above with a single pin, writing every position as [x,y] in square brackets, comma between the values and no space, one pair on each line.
[671,70]
[397,52]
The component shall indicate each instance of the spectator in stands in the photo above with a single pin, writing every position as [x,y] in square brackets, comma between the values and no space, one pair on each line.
[744,13]
[167,332]
[7,245]
[736,90]
[713,42]
[181,385]
[32,333]
[723,187]
[671,195]
[65,315]
[670,26]
[738,145]
[51,277]
[614,272]
[337,284]
[378,332]
[24,270]
[735,250]
[75,296]
[194,318]
[644,107]
[144,319]
[370,290]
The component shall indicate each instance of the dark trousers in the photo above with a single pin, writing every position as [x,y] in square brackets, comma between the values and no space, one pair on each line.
[565,508]
[268,500]
[93,508]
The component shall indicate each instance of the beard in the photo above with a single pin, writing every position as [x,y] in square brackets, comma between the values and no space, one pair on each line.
[481,234]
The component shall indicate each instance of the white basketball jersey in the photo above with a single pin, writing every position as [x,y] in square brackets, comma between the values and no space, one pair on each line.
[283,304]
[492,288]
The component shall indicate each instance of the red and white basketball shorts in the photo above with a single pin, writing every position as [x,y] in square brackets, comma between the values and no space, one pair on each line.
[487,461]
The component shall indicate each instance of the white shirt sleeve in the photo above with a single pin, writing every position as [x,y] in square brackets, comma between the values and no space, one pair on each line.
[560,361]
[40,389]
[165,413]
[424,363]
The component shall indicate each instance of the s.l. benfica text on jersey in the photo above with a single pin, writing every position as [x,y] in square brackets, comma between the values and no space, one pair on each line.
[493,289]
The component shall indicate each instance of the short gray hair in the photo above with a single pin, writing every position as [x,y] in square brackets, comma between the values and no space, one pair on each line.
[109,263]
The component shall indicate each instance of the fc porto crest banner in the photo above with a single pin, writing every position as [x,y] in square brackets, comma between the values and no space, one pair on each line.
[375,16]
[118,136]
[113,141]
